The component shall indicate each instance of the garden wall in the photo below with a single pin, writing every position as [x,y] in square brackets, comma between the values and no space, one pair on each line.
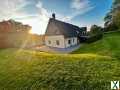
[21,39]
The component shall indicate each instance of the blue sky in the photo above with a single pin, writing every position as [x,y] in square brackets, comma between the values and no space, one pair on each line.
[37,12]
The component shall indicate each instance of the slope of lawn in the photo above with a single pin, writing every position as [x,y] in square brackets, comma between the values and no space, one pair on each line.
[109,45]
[92,67]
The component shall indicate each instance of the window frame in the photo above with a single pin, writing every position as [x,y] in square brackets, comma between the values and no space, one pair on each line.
[69,41]
[49,42]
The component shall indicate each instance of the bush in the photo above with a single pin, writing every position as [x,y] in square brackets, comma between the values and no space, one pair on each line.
[95,34]
[94,38]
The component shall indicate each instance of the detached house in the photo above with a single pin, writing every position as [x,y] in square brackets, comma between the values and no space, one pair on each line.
[60,34]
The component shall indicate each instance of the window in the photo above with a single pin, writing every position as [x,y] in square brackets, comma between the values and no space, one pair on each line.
[69,41]
[57,42]
[49,42]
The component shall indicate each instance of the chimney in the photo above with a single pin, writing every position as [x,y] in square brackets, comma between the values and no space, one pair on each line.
[53,15]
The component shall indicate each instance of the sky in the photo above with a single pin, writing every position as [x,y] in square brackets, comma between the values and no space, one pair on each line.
[36,13]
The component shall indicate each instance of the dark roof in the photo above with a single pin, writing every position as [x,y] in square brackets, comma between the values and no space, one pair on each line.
[56,27]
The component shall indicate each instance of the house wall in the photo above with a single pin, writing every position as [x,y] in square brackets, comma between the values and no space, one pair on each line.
[74,41]
[63,43]
[53,40]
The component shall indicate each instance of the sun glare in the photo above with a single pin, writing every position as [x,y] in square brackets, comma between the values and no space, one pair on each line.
[38,28]
[31,32]
[38,24]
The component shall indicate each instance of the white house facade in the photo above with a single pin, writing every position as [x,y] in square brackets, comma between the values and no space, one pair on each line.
[60,42]
[69,42]
[55,41]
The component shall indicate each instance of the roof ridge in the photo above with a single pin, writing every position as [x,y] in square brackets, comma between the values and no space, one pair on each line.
[65,22]
[64,28]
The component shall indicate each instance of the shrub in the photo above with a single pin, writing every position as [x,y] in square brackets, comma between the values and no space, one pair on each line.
[95,34]
[94,38]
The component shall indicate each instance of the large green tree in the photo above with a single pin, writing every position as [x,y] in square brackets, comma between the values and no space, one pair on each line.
[112,18]
[116,2]
[95,30]
[116,19]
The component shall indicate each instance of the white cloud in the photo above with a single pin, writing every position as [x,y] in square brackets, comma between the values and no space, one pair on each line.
[14,9]
[80,4]
[8,8]
[38,21]
[80,7]
[42,11]
[38,24]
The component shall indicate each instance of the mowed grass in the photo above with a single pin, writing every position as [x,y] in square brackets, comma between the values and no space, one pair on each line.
[109,46]
[92,67]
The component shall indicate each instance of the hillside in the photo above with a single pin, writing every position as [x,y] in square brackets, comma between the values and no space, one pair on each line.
[92,67]
[108,46]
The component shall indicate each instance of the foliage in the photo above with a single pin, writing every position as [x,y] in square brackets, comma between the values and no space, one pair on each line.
[108,18]
[111,27]
[112,18]
[116,2]
[94,38]
[116,18]
[95,34]
[95,30]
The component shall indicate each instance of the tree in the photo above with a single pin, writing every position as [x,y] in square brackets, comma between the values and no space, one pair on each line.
[116,2]
[116,18]
[108,19]
[95,34]
[112,19]
[95,30]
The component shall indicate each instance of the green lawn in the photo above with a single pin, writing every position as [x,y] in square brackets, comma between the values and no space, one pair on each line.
[108,46]
[92,67]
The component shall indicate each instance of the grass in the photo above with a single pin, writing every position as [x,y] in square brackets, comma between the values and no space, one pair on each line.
[92,67]
[109,45]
